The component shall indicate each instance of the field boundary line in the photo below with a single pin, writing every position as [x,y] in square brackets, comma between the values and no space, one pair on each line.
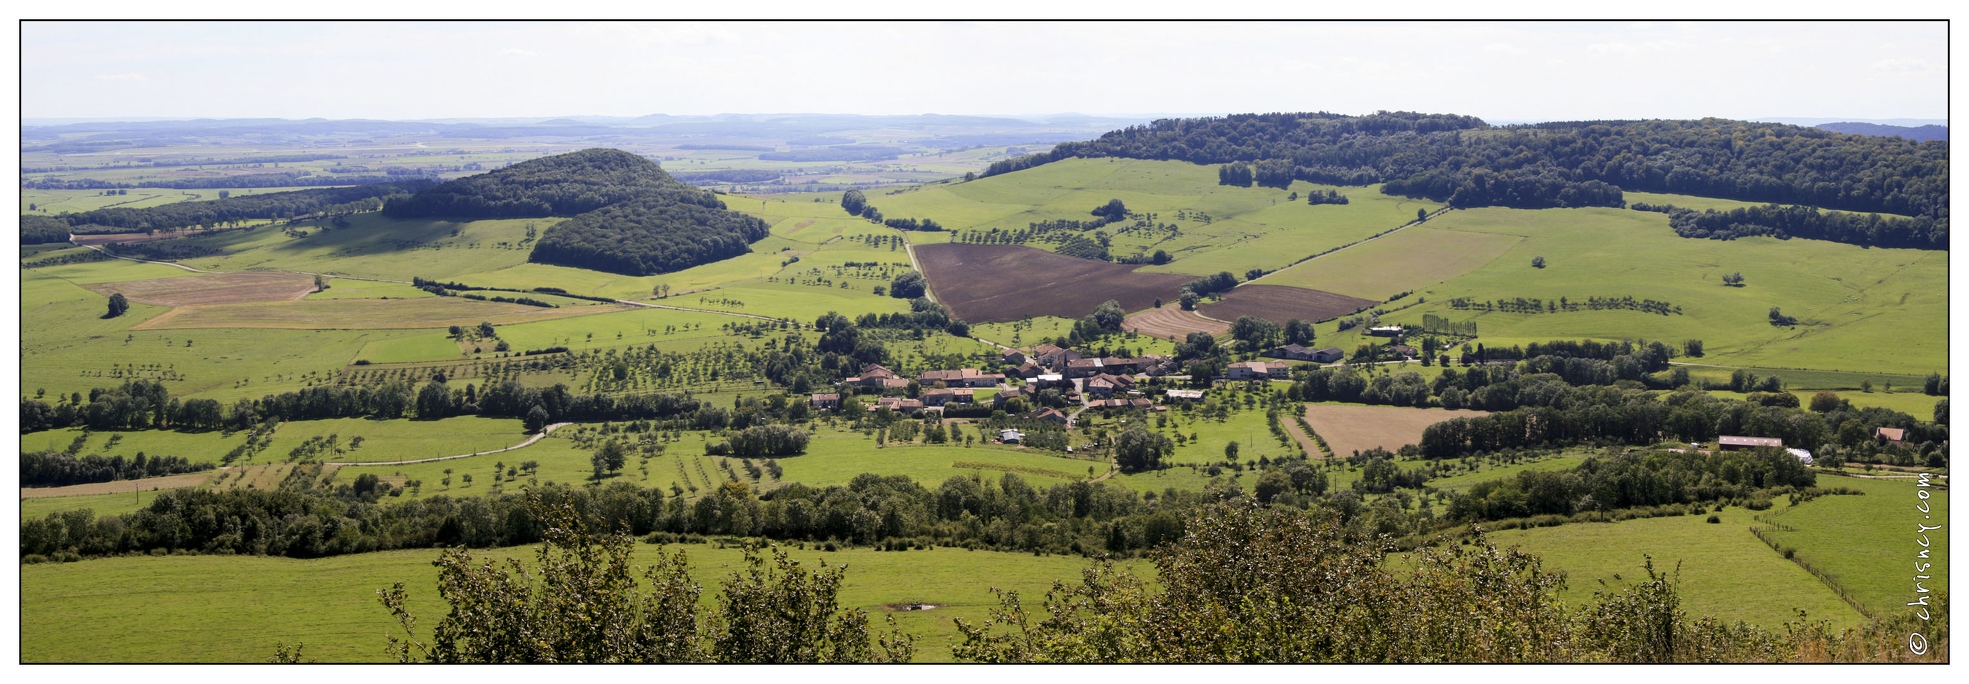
[1356,243]
[529,442]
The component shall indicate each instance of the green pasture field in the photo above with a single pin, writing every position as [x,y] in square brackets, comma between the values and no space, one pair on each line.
[66,345]
[181,609]
[1863,310]
[836,459]
[52,202]
[1868,544]
[634,327]
[559,460]
[1914,404]
[101,504]
[396,440]
[1400,262]
[1246,227]
[1724,570]
[345,288]
[198,447]
[375,246]
[431,346]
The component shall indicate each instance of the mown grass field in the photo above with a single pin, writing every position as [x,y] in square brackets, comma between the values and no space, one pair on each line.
[234,609]
[1400,262]
[1724,570]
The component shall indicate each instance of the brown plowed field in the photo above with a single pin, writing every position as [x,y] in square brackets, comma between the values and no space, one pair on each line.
[1279,303]
[1348,428]
[999,283]
[1171,322]
[216,288]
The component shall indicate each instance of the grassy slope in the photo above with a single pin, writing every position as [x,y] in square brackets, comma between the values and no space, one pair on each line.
[1867,543]
[1876,310]
[1247,227]
[1724,570]
[172,610]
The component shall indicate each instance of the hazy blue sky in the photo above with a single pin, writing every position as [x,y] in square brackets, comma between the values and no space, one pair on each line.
[1494,70]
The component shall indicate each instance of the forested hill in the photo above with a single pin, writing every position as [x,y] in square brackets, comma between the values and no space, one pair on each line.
[560,185]
[1466,162]
[629,216]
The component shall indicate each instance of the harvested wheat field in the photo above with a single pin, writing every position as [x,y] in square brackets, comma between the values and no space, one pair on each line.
[1002,283]
[118,487]
[1349,428]
[1173,323]
[1279,303]
[362,314]
[213,288]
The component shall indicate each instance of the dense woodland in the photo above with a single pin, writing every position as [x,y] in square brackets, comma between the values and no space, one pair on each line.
[234,210]
[1783,222]
[649,236]
[1467,163]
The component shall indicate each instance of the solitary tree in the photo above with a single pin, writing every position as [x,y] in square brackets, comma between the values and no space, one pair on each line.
[117,305]
[1538,262]
[1230,451]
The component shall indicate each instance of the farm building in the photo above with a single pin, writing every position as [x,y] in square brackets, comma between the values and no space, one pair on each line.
[1021,392]
[1385,331]
[1054,357]
[1155,364]
[1893,436]
[1733,442]
[939,397]
[1050,414]
[1183,394]
[1294,352]
[875,376]
[826,401]
[1258,370]
[1028,370]
[1009,436]
[1014,357]
[1804,456]
[897,404]
[1046,380]
[962,377]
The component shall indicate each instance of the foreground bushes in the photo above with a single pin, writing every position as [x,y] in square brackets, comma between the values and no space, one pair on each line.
[1252,584]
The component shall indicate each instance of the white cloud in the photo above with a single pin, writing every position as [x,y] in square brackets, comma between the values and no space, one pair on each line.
[1903,64]
[517,52]
[132,76]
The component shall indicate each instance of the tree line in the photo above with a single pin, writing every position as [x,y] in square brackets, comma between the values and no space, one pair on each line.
[1785,222]
[233,210]
[59,468]
[1586,163]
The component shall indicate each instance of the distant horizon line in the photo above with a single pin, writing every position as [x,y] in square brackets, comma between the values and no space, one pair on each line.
[1908,122]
